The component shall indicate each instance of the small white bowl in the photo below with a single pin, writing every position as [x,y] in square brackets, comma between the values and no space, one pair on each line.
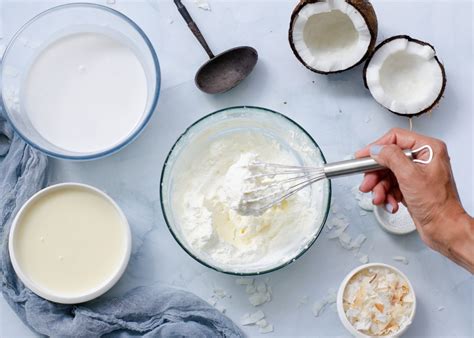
[340,305]
[49,294]
[380,212]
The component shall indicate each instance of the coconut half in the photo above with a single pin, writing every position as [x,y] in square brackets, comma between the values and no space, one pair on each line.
[405,76]
[330,36]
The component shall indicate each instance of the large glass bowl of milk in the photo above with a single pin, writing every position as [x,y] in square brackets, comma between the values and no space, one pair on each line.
[80,81]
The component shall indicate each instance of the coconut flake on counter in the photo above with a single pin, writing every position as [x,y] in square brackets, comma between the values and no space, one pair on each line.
[260,298]
[220,292]
[357,242]
[264,326]
[250,289]
[266,329]
[320,305]
[217,295]
[337,232]
[378,301]
[258,319]
[252,318]
[401,259]
[363,258]
[363,200]
[345,240]
[203,4]
[244,281]
[259,293]
[337,226]
[338,222]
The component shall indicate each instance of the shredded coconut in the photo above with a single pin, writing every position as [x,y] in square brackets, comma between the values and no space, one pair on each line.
[378,302]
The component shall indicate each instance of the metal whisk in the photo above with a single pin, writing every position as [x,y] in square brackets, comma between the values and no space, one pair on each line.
[272,183]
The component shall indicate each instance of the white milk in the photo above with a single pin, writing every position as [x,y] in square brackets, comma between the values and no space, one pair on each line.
[70,241]
[86,92]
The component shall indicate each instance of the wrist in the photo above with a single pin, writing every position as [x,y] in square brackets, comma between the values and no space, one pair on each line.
[457,242]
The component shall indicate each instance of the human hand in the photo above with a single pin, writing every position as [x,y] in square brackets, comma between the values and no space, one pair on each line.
[428,190]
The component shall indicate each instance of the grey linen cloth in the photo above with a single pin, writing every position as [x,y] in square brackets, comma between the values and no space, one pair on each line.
[148,311]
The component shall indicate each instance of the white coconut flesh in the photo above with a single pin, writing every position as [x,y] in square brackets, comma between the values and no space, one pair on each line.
[404,76]
[331,35]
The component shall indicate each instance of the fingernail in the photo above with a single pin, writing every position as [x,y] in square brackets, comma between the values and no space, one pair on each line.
[373,197]
[389,208]
[375,149]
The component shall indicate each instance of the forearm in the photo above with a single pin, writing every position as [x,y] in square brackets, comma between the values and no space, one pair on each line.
[458,239]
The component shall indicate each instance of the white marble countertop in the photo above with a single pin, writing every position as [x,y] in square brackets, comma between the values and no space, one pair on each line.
[337,111]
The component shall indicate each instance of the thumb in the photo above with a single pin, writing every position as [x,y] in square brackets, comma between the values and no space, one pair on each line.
[392,157]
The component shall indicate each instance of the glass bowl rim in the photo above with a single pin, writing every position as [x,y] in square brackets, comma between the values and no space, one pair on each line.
[148,114]
[235,273]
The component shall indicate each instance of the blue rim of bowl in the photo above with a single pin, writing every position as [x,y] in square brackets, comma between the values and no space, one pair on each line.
[235,273]
[149,114]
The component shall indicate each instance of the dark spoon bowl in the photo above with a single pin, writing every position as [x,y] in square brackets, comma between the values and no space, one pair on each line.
[226,70]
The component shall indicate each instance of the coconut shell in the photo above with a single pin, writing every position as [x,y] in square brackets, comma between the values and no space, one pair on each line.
[364,7]
[424,43]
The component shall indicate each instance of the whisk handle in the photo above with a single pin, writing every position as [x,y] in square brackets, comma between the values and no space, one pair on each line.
[357,166]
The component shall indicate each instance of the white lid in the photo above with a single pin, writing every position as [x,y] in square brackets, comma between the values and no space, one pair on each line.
[399,223]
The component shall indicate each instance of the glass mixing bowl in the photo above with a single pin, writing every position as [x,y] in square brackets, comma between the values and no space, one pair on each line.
[222,123]
[51,25]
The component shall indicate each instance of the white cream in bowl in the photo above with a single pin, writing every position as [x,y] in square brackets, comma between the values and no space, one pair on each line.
[69,243]
[205,189]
